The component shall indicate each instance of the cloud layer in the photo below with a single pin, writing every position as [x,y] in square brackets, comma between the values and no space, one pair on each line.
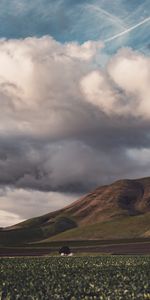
[18,205]
[67,124]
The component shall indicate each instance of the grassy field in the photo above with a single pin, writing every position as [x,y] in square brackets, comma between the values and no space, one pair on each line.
[119,228]
[74,278]
[127,227]
[34,230]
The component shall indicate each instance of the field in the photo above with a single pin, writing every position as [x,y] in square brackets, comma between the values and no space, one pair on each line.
[75,278]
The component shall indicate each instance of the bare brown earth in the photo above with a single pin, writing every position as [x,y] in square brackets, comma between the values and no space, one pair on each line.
[123,197]
[129,197]
[120,203]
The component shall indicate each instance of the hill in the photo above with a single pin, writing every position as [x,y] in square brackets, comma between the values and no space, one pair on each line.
[118,210]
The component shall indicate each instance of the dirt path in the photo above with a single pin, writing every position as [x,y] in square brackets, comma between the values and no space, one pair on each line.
[131,248]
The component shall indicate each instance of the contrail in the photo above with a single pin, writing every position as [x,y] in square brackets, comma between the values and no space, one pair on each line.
[110,16]
[127,30]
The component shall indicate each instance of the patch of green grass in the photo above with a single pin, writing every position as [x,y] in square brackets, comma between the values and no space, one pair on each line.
[20,236]
[125,227]
[65,228]
[30,234]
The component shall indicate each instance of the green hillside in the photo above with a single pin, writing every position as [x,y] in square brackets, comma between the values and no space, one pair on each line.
[126,227]
[35,231]
[116,211]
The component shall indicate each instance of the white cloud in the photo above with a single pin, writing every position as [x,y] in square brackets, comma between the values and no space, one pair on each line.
[66,123]
[8,219]
[39,85]
[86,51]
[131,72]
[44,86]
[123,88]
[17,205]
[98,91]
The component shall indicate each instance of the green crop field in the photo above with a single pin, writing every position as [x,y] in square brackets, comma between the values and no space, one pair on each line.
[101,277]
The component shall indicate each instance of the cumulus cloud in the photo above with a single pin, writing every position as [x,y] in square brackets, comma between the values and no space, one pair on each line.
[68,124]
[131,72]
[123,89]
[99,92]
[39,86]
[85,51]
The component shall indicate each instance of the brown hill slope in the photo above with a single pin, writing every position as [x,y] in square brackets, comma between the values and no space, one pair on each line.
[124,197]
[108,203]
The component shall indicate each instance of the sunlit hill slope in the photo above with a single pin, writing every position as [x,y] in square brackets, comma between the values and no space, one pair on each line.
[115,211]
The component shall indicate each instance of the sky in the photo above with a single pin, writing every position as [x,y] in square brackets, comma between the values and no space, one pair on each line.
[74,100]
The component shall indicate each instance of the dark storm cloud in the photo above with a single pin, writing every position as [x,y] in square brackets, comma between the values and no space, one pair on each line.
[66,124]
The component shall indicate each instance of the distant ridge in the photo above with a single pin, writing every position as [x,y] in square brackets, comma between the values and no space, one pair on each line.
[118,210]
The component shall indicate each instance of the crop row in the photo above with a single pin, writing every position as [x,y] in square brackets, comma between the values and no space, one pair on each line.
[71,278]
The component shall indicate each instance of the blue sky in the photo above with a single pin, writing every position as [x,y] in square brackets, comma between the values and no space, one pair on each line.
[74,100]
[70,20]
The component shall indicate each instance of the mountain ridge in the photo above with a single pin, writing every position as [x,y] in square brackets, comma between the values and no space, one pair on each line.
[125,199]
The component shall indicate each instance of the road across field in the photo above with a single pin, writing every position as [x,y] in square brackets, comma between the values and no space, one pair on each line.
[116,249]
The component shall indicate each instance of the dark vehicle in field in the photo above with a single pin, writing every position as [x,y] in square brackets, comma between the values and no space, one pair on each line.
[65,250]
